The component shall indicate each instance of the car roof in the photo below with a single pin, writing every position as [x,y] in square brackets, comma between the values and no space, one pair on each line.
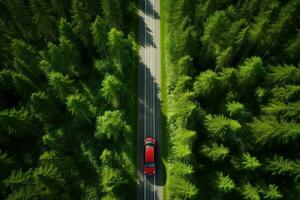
[149,154]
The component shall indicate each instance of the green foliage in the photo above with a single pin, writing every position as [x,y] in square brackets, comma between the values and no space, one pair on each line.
[61,84]
[64,58]
[286,74]
[98,33]
[224,183]
[238,90]
[81,21]
[111,126]
[51,95]
[279,166]
[118,47]
[206,84]
[42,18]
[251,72]
[236,110]
[270,130]
[250,192]
[249,162]
[181,188]
[112,90]
[220,126]
[112,13]
[272,192]
[214,151]
[80,107]
[43,106]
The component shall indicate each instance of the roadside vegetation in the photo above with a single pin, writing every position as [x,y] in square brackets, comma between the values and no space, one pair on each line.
[67,99]
[232,81]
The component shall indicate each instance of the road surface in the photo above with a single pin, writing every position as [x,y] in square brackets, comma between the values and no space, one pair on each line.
[149,187]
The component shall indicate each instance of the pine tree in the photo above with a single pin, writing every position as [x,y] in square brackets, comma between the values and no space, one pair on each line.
[224,183]
[183,141]
[249,162]
[270,130]
[44,107]
[250,192]
[20,19]
[44,21]
[272,192]
[279,166]
[181,188]
[64,58]
[99,34]
[61,84]
[80,107]
[112,90]
[286,74]
[111,126]
[112,180]
[105,66]
[81,21]
[220,126]
[112,13]
[23,85]
[207,85]
[215,151]
[65,30]
[19,123]
[287,93]
[292,48]
[289,111]
[25,53]
[251,73]
[236,110]
[118,48]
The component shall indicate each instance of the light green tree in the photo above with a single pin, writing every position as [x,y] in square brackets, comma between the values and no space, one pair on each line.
[111,125]
[250,192]
[249,162]
[112,90]
[224,184]
[220,126]
[215,151]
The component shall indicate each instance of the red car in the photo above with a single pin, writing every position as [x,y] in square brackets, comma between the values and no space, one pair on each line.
[149,164]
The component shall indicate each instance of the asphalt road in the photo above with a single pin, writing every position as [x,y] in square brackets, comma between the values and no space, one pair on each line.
[149,187]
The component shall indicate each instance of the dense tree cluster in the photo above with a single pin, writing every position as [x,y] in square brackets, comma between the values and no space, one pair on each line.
[235,130]
[66,131]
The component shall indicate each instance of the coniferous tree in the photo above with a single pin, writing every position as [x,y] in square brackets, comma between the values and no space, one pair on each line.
[98,33]
[224,183]
[112,13]
[250,192]
[44,21]
[111,126]
[220,126]
[249,162]
[112,90]
[81,21]
[214,151]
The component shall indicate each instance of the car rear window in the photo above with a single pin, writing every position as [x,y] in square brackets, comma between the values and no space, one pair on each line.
[149,144]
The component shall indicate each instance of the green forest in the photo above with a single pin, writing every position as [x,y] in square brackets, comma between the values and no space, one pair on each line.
[66,131]
[234,133]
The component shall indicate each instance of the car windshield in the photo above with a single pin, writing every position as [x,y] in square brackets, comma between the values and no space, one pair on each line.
[149,164]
